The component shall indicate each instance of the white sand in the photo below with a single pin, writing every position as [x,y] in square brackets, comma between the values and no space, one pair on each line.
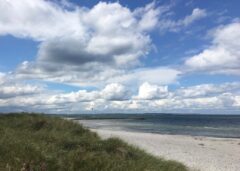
[198,153]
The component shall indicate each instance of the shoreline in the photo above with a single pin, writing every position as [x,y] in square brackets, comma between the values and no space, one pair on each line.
[135,126]
[196,152]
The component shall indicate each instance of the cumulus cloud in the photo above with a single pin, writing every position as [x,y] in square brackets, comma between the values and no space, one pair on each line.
[118,43]
[116,97]
[88,46]
[108,31]
[13,90]
[97,43]
[204,90]
[11,87]
[236,101]
[103,46]
[73,97]
[200,98]
[223,56]
[203,97]
[149,92]
[97,75]
[111,92]
[115,92]
[221,103]
[31,19]
[25,97]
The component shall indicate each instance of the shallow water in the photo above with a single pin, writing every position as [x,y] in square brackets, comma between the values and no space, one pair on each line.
[227,126]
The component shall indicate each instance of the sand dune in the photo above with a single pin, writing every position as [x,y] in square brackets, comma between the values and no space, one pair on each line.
[198,153]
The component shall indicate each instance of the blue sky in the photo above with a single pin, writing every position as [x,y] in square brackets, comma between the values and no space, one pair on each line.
[84,56]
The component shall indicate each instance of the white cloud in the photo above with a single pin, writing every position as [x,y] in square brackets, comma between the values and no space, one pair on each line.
[200,98]
[73,97]
[13,90]
[150,15]
[102,46]
[97,43]
[89,99]
[222,102]
[160,76]
[112,92]
[223,56]
[88,46]
[236,101]
[118,98]
[2,78]
[204,90]
[108,30]
[175,26]
[197,14]
[115,92]
[31,19]
[98,75]
[149,92]
[207,102]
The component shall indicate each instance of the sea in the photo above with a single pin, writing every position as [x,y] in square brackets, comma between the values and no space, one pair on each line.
[223,126]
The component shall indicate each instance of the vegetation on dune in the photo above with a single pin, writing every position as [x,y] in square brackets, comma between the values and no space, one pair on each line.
[37,142]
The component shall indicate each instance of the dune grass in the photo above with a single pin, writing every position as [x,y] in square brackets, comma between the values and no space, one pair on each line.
[39,142]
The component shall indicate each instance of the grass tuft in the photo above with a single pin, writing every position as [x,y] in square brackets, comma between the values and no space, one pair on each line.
[43,143]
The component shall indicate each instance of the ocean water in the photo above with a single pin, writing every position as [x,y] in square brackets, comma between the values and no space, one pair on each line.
[227,126]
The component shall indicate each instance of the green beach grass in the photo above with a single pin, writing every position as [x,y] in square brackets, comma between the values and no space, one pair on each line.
[39,142]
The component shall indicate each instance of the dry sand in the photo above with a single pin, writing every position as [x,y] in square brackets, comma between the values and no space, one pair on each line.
[198,153]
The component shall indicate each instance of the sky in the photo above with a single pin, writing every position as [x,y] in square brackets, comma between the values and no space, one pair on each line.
[81,56]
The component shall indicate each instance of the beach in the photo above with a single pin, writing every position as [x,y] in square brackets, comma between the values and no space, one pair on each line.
[198,153]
